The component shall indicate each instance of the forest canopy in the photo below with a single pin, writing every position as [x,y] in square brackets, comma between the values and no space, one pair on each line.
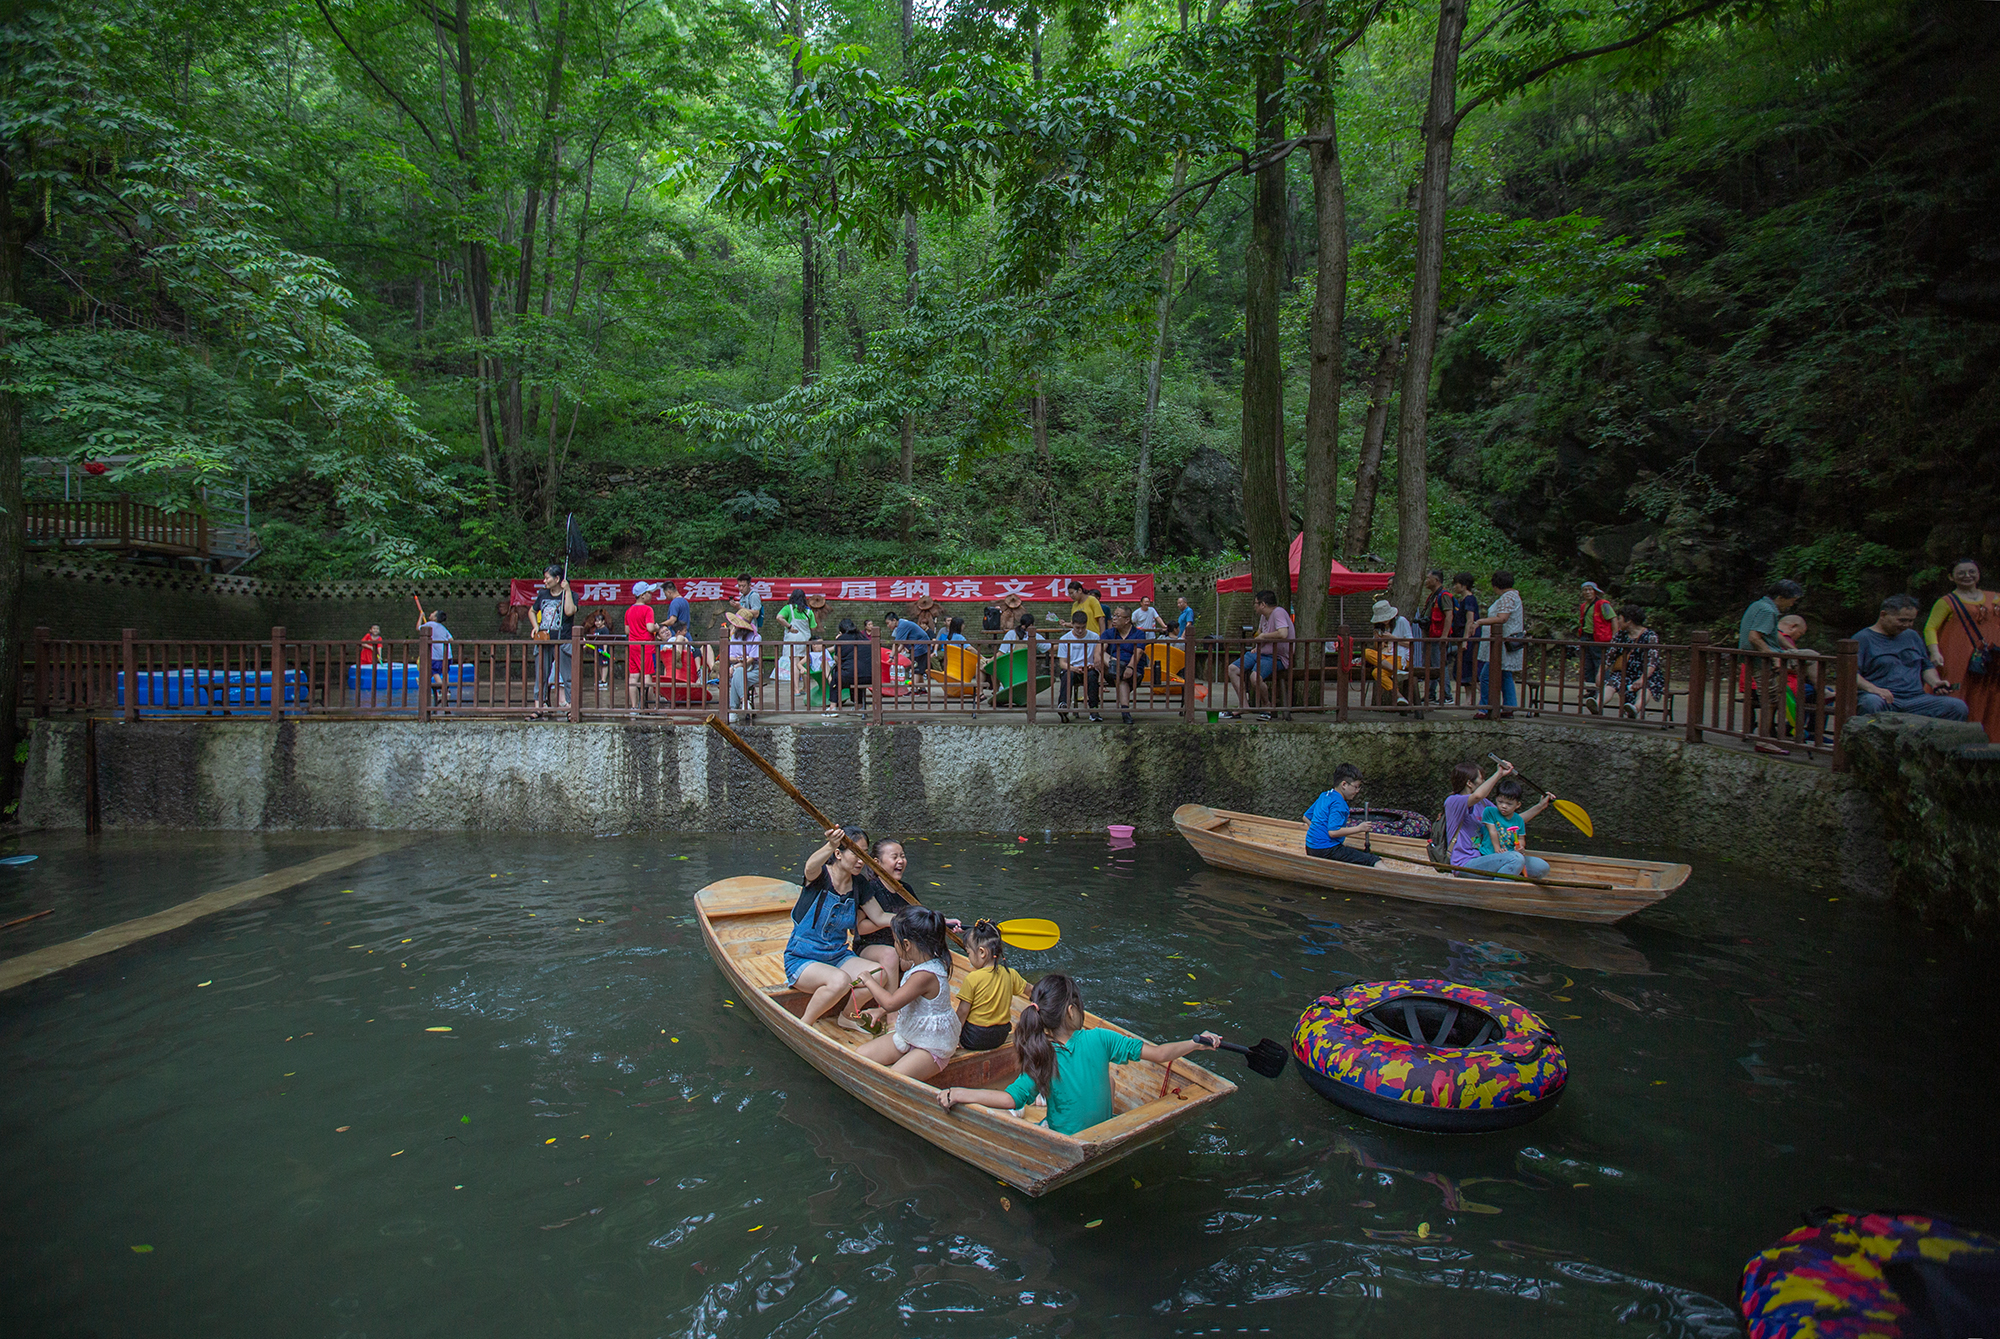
[1680,296]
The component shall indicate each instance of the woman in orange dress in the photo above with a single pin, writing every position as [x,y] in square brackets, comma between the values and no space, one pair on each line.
[1964,620]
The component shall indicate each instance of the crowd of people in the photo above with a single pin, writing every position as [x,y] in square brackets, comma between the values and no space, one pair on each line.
[1454,651]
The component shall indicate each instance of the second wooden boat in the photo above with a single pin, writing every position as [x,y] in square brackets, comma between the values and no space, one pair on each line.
[1276,848]
[745,922]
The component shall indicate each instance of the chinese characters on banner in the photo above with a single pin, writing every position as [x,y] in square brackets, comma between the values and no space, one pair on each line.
[886,590]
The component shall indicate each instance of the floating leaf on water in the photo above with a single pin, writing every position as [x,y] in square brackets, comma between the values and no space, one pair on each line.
[458,1187]
[1095,1222]
[1423,1230]
[398,1153]
[1135,1183]
[730,1003]
[675,1040]
[437,1029]
[465,1120]
[548,1141]
[1191,976]
[758,1228]
[1007,1205]
[199,984]
[142,1250]
[342,1129]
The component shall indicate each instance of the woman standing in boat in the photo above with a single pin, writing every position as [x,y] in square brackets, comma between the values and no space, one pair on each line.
[817,957]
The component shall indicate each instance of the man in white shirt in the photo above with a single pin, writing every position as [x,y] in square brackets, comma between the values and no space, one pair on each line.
[1146,618]
[1076,663]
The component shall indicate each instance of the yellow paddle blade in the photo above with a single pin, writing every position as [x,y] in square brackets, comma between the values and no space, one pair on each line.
[1573,811]
[1031,934]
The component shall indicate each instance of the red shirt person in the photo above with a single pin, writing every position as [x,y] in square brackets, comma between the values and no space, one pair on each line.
[1595,626]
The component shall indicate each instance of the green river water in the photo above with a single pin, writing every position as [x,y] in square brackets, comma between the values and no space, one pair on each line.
[601,1145]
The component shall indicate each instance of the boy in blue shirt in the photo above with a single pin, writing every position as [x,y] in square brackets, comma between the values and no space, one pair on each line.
[1503,830]
[1326,820]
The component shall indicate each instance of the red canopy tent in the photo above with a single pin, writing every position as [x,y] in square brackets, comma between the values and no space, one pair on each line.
[1340,581]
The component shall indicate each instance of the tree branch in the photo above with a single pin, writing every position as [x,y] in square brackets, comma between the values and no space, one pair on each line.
[1499,18]
[378,80]
[1573,57]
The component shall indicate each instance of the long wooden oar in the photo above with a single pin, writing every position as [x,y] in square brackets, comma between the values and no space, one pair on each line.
[1567,808]
[1028,933]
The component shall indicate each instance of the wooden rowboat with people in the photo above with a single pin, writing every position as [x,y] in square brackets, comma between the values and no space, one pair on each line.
[746,921]
[1576,888]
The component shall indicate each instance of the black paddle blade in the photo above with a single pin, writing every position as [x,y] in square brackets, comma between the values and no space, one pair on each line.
[574,548]
[1267,1058]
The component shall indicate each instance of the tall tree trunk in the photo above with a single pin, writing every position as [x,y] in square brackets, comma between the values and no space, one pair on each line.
[808,246]
[17,229]
[478,279]
[808,306]
[1413,516]
[1263,372]
[1038,404]
[1142,501]
[908,470]
[1322,446]
[1368,471]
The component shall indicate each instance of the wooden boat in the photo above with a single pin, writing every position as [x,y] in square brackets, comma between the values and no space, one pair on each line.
[745,921]
[1276,848]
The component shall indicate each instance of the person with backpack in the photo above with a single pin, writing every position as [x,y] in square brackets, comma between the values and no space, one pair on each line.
[1433,622]
[1595,626]
[1455,832]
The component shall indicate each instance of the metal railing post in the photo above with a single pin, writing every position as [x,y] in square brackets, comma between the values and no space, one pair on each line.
[1188,698]
[575,672]
[41,671]
[131,676]
[421,672]
[875,688]
[1698,652]
[1343,654]
[277,673]
[1834,715]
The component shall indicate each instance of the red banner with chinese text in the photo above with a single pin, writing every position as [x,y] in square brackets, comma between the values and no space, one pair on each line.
[1111,588]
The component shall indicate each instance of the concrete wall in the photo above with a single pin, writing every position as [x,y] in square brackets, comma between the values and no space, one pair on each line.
[1939,786]
[1643,788]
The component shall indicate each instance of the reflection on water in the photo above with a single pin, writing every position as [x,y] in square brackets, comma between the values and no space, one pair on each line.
[605,1143]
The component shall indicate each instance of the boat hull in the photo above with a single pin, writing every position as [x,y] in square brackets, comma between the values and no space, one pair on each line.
[745,922]
[1275,848]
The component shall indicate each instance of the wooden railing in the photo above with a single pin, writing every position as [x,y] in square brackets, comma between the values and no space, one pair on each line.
[1793,702]
[118,524]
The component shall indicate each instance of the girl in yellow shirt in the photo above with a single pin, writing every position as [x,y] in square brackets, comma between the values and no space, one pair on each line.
[984,997]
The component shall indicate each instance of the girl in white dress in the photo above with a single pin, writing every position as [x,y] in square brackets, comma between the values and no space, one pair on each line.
[926,1031]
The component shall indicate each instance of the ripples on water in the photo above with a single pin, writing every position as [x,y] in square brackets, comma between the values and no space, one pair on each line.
[603,1145]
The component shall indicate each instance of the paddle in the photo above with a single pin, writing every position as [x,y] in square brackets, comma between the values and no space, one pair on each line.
[1266,1057]
[1031,934]
[1568,809]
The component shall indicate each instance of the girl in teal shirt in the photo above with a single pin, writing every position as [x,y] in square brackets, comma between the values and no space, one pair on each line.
[1066,1062]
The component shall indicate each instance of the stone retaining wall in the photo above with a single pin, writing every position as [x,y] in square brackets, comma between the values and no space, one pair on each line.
[1650,790]
[1938,787]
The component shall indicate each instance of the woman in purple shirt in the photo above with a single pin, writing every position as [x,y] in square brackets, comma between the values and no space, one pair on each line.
[1469,789]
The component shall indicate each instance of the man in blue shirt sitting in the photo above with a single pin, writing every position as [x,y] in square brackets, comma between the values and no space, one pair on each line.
[1118,660]
[1326,820]
[1894,670]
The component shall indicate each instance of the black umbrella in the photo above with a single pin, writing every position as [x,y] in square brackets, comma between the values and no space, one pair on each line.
[575,552]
